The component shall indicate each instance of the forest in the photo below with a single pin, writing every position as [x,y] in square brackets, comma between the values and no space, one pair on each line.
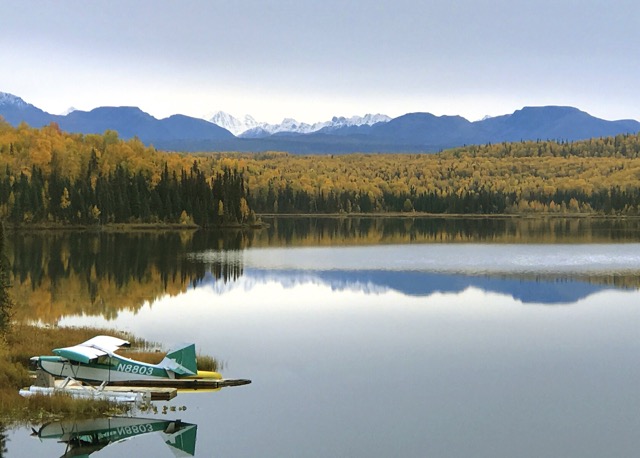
[49,176]
[598,176]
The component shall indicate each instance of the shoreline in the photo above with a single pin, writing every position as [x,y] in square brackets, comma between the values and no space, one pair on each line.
[121,227]
[449,215]
[177,227]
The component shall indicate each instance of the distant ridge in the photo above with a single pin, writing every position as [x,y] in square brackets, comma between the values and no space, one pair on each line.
[248,127]
[412,132]
[129,122]
[15,110]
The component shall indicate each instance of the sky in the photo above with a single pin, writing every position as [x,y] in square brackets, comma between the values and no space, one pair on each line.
[311,60]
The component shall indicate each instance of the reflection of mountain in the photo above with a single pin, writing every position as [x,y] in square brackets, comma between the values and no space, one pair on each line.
[525,289]
[61,273]
[423,284]
[83,437]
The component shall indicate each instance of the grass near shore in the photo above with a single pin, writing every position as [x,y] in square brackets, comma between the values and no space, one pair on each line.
[24,341]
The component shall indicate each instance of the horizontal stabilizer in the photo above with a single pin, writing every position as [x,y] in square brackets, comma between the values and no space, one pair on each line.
[181,360]
[173,366]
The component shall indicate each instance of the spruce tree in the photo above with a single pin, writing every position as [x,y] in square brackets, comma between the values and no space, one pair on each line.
[5,300]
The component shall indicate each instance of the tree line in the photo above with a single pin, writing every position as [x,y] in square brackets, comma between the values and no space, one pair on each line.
[6,303]
[596,176]
[124,197]
[49,175]
[106,182]
[472,200]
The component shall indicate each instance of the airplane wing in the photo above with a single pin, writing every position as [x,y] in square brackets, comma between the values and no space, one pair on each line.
[91,349]
[79,353]
[106,343]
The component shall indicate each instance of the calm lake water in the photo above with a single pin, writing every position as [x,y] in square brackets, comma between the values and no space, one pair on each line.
[367,337]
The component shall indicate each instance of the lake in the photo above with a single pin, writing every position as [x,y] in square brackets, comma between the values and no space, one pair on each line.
[366,337]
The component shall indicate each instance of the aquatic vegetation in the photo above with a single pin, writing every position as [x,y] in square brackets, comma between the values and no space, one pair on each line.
[20,343]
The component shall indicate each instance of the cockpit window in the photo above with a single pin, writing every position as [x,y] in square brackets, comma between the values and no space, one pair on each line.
[104,360]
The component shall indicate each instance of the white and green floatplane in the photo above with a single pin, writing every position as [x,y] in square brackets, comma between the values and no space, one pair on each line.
[96,361]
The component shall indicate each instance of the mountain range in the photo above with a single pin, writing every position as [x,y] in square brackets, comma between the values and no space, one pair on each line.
[248,127]
[412,132]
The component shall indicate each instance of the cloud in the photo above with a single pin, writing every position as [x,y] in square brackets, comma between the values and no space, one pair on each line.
[396,55]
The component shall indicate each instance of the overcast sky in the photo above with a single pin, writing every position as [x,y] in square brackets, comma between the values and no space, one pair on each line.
[311,60]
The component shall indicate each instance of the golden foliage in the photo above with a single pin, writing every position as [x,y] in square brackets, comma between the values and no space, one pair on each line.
[68,154]
[528,170]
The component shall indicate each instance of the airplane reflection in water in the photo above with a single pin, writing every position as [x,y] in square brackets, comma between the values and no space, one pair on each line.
[84,437]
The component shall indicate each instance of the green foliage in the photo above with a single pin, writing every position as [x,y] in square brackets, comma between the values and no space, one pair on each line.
[6,303]
[122,197]
[47,176]
[623,145]
[597,176]
[50,176]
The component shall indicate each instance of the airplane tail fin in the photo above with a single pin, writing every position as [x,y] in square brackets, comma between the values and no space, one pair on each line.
[182,360]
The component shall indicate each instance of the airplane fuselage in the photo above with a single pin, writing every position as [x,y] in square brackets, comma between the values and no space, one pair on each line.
[112,369]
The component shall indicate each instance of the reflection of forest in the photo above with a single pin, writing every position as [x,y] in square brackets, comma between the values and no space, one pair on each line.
[62,273]
[101,273]
[297,231]
[3,441]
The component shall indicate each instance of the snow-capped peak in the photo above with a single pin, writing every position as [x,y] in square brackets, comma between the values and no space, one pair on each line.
[10,99]
[368,119]
[231,123]
[249,127]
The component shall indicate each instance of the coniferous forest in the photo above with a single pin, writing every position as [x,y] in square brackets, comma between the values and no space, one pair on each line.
[49,176]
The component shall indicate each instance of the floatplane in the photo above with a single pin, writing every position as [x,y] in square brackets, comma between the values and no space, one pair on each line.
[96,360]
